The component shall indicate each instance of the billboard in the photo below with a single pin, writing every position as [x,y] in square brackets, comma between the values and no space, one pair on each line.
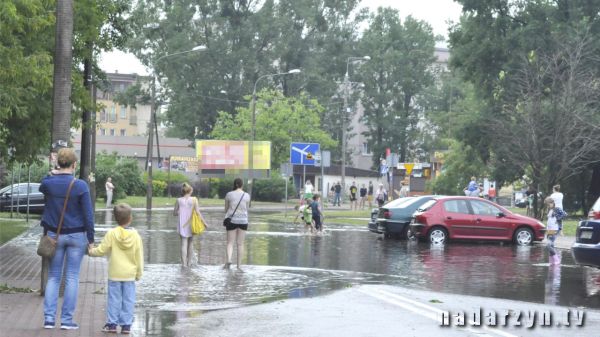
[232,155]
[183,164]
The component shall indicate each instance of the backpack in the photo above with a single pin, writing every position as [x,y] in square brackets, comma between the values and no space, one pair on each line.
[559,214]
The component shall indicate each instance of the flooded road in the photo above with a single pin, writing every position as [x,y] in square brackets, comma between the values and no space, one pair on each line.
[281,262]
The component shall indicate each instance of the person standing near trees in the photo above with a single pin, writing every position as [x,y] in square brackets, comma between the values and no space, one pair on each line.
[557,197]
[184,207]
[68,206]
[353,190]
[338,191]
[363,196]
[109,191]
[492,193]
[236,209]
[381,195]
[370,195]
[472,190]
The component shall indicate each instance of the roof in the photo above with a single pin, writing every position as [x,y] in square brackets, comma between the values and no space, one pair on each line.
[336,170]
[135,146]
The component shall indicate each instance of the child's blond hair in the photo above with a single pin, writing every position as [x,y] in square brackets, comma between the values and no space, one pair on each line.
[122,214]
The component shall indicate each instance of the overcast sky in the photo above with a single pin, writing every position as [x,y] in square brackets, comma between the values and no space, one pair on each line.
[436,12]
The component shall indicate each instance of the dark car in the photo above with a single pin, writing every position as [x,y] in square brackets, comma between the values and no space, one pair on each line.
[594,213]
[17,198]
[467,218]
[586,249]
[393,218]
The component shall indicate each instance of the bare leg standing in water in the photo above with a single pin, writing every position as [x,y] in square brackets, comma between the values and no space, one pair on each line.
[187,251]
[236,237]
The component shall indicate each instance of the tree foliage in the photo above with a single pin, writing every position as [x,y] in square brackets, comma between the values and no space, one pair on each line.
[399,71]
[280,120]
[26,54]
[535,65]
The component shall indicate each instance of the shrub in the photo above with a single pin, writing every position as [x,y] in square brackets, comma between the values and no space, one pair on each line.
[125,174]
[159,188]
[272,189]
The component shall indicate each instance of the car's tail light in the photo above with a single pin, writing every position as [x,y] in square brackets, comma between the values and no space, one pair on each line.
[387,214]
[594,214]
[419,219]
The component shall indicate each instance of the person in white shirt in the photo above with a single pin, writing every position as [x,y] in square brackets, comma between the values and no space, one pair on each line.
[109,191]
[557,196]
[552,231]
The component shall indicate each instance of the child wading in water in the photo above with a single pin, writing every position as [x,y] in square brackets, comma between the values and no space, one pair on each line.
[307,216]
[316,213]
[126,262]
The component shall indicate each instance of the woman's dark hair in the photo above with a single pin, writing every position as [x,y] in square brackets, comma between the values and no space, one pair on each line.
[237,183]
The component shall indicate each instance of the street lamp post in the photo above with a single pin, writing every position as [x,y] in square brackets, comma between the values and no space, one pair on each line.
[253,130]
[152,124]
[345,115]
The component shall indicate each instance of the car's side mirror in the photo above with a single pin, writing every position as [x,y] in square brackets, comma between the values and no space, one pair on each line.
[500,214]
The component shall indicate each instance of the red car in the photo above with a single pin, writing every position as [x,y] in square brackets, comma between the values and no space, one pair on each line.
[467,218]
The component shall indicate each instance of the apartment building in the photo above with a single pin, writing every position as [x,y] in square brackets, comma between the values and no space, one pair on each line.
[115,120]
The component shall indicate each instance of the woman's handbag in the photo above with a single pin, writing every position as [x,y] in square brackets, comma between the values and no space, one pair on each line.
[47,246]
[227,220]
[198,226]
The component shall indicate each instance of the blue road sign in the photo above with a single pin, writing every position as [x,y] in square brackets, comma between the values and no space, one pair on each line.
[303,153]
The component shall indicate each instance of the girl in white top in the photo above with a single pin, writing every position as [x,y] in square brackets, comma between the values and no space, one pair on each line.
[552,232]
[236,231]
[184,208]
[557,197]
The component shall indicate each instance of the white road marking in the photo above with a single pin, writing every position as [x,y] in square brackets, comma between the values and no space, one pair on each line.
[424,310]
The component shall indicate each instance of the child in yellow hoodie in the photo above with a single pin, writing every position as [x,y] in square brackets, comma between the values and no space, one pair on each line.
[126,262]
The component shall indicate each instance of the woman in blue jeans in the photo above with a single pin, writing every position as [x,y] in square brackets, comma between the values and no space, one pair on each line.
[76,234]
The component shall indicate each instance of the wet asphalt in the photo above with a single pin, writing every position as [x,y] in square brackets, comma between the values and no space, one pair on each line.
[281,262]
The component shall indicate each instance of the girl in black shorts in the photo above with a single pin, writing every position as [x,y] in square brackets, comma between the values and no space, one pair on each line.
[236,208]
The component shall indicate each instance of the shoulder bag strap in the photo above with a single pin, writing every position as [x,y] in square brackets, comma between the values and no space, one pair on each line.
[62,214]
[236,207]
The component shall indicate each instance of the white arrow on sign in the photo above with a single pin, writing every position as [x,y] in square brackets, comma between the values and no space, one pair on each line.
[302,152]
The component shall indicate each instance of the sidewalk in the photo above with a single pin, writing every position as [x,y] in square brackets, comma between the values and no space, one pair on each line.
[21,314]
[564,242]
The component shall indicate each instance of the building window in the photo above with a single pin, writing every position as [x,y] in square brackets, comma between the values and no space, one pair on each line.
[112,132]
[123,112]
[102,132]
[103,115]
[122,132]
[365,148]
[113,114]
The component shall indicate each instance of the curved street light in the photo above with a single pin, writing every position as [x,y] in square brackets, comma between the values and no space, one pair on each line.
[253,130]
[345,112]
[152,125]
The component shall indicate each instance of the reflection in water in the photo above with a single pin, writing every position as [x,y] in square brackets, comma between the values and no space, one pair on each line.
[284,263]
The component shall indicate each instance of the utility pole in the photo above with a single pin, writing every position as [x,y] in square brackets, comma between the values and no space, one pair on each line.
[150,150]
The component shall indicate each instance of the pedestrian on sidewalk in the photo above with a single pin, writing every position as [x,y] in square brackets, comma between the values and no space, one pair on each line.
[370,195]
[184,207]
[363,196]
[381,195]
[236,209]
[68,206]
[551,232]
[125,266]
[492,193]
[109,191]
[353,202]
[557,196]
[338,194]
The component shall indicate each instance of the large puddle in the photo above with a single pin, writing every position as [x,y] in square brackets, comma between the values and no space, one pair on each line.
[281,262]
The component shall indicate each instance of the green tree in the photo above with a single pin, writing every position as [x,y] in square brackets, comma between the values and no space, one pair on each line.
[399,71]
[280,120]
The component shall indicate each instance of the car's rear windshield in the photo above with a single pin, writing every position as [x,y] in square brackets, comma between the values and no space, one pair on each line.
[596,206]
[427,205]
[400,201]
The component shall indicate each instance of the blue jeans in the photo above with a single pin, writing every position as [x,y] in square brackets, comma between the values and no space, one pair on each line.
[550,245]
[69,248]
[121,301]
[337,199]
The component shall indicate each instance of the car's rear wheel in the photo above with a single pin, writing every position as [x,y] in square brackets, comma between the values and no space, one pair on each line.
[523,236]
[438,235]
[404,233]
